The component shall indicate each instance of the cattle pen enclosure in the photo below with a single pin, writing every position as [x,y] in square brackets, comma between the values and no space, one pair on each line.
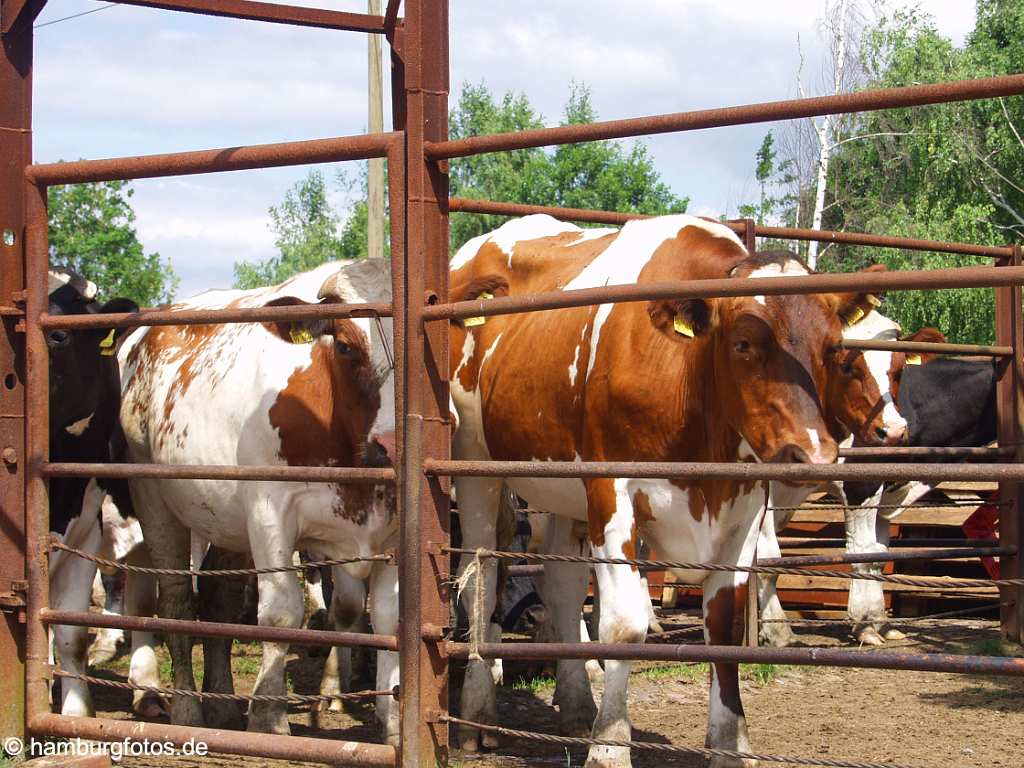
[418,151]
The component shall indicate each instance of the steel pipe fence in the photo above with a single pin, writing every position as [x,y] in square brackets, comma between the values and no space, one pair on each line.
[419,206]
[467,205]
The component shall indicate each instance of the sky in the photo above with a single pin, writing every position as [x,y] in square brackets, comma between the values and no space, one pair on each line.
[127,81]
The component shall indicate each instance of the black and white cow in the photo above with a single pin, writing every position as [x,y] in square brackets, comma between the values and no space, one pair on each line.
[84,403]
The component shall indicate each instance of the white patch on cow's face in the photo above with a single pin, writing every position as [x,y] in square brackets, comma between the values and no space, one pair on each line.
[878,326]
[79,426]
[623,260]
[789,267]
[761,300]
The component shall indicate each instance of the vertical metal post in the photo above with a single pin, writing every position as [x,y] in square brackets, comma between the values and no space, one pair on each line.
[1010,410]
[37,440]
[424,511]
[750,235]
[375,124]
[15,154]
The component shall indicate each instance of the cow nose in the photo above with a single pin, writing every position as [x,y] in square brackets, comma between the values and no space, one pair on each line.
[386,441]
[791,454]
[892,434]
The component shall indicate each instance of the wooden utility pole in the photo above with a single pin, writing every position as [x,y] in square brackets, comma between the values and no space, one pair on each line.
[375,124]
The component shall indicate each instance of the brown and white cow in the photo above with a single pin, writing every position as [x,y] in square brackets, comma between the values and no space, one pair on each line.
[303,393]
[731,379]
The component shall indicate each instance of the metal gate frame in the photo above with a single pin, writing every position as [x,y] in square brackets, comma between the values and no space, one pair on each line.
[418,152]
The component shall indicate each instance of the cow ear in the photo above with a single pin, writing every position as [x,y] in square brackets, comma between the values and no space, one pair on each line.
[933,335]
[116,306]
[682,319]
[297,331]
[853,307]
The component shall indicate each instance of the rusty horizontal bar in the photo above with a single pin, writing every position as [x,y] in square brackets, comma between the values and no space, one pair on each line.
[214,316]
[883,241]
[729,654]
[275,13]
[862,101]
[214,160]
[923,452]
[935,347]
[843,558]
[218,629]
[740,471]
[265,745]
[959,277]
[851,558]
[465,205]
[271,473]
[802,542]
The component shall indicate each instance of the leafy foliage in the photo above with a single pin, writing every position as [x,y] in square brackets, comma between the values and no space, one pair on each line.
[601,175]
[92,231]
[950,172]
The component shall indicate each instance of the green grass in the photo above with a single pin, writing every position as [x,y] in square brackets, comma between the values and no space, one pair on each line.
[535,685]
[688,672]
[245,665]
[990,646]
[762,673]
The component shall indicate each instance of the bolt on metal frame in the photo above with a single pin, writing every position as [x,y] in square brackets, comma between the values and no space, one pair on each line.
[418,187]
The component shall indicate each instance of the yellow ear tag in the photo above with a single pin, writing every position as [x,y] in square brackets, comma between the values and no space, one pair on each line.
[873,300]
[682,327]
[913,359]
[107,345]
[855,316]
[299,334]
[472,322]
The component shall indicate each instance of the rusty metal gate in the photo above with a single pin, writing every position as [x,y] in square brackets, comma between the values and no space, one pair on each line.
[418,151]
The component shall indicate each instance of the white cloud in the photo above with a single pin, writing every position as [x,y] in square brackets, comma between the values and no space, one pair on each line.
[134,81]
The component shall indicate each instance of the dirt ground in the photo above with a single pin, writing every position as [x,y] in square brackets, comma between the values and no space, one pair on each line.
[929,720]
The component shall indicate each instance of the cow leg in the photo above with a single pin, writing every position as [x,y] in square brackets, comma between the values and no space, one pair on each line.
[384,617]
[565,589]
[104,645]
[623,614]
[643,552]
[220,599]
[774,629]
[478,511]
[280,605]
[169,544]
[71,580]
[882,535]
[725,599]
[866,602]
[348,604]
[140,599]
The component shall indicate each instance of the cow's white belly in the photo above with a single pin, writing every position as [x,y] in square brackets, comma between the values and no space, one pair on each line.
[222,418]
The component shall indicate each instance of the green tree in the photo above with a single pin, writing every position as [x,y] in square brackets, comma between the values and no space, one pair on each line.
[92,231]
[943,172]
[305,230]
[599,175]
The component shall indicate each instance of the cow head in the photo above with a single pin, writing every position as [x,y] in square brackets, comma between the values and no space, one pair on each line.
[343,393]
[774,358]
[899,360]
[83,368]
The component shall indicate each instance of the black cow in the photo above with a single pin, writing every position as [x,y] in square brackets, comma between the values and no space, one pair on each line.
[85,398]
[947,402]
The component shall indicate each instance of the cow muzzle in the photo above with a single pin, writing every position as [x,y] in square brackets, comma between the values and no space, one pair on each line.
[381,450]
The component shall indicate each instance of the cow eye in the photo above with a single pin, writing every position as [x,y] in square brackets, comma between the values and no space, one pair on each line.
[57,339]
[846,368]
[742,347]
[343,348]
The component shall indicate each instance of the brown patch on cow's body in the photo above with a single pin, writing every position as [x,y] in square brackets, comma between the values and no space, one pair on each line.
[724,619]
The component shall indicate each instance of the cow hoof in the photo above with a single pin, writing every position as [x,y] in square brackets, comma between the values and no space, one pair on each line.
[489,740]
[278,725]
[576,721]
[101,654]
[776,635]
[469,740]
[186,710]
[152,707]
[870,636]
[224,715]
[608,757]
[336,706]
[894,634]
